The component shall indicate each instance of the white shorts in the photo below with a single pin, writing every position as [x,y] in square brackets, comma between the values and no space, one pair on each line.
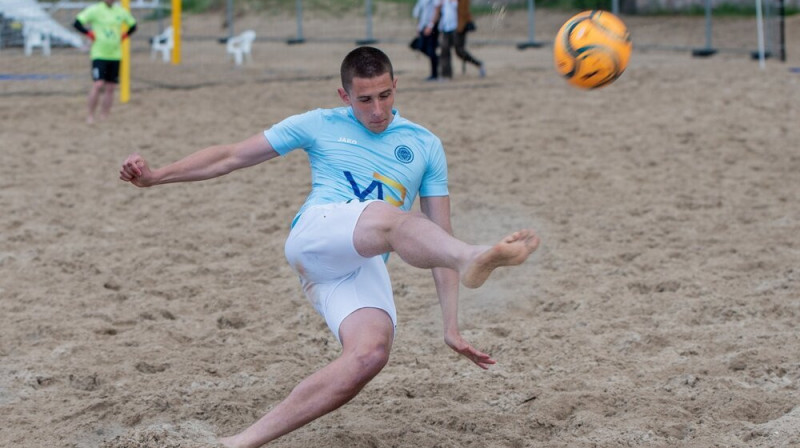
[335,278]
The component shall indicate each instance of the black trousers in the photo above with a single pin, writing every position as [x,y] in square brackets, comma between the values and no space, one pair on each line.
[429,44]
[461,49]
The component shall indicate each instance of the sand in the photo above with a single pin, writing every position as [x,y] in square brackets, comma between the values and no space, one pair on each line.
[660,310]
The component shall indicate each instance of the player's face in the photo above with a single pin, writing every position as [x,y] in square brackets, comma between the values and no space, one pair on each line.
[372,100]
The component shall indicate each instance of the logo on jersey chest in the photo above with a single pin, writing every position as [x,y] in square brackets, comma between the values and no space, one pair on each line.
[385,189]
[404,154]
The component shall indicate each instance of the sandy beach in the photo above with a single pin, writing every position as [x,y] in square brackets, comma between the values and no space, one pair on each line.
[661,309]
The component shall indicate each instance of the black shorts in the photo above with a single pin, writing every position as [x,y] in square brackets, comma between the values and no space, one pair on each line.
[105,70]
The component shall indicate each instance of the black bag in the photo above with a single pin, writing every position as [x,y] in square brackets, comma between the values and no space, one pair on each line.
[416,44]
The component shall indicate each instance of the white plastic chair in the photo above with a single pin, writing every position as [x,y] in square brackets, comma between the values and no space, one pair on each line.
[241,46]
[35,37]
[163,43]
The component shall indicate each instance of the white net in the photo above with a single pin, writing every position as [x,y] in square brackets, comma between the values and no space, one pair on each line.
[774,28]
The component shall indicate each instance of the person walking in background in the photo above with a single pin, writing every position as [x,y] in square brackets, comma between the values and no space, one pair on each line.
[447,12]
[465,25]
[368,165]
[102,23]
[425,11]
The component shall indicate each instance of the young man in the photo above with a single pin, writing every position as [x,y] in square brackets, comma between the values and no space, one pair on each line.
[105,20]
[368,165]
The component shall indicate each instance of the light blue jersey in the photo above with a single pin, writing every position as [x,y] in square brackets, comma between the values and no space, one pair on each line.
[348,161]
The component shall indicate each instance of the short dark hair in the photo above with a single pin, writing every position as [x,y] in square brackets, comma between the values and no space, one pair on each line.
[364,62]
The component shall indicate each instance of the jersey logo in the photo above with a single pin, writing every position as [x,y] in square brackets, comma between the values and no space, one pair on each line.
[377,186]
[404,154]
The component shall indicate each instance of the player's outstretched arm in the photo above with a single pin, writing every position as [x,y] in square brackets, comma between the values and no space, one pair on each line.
[447,281]
[207,163]
[457,343]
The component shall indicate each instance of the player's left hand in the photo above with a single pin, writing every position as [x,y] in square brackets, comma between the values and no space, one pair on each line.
[124,36]
[136,171]
[458,344]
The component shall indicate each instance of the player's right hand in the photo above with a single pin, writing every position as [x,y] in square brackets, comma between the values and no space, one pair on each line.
[91,35]
[136,171]
[459,345]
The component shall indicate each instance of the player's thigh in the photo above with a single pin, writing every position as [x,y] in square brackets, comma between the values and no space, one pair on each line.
[367,329]
[371,236]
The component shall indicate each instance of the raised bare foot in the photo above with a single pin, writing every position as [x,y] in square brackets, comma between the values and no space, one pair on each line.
[510,251]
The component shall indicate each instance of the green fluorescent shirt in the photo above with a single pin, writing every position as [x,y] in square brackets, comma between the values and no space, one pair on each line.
[106,22]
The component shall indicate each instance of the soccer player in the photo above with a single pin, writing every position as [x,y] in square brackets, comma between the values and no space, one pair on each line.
[104,20]
[368,165]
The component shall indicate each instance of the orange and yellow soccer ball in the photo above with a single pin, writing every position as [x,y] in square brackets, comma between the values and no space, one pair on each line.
[592,49]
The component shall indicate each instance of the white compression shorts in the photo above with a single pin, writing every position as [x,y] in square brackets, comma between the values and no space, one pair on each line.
[335,278]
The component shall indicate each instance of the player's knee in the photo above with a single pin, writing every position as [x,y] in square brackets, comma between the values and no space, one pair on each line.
[368,362]
[374,358]
[382,216]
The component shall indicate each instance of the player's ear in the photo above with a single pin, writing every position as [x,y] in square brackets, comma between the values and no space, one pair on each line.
[344,96]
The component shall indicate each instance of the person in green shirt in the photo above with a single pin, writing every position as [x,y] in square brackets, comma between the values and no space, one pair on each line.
[104,21]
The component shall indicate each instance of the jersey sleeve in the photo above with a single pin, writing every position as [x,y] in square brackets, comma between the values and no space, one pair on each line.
[434,182]
[293,132]
[129,19]
[85,16]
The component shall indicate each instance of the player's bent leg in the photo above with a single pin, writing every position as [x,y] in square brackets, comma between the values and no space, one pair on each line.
[510,251]
[422,243]
[366,336]
[416,239]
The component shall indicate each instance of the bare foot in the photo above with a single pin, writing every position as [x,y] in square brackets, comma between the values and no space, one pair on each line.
[510,251]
